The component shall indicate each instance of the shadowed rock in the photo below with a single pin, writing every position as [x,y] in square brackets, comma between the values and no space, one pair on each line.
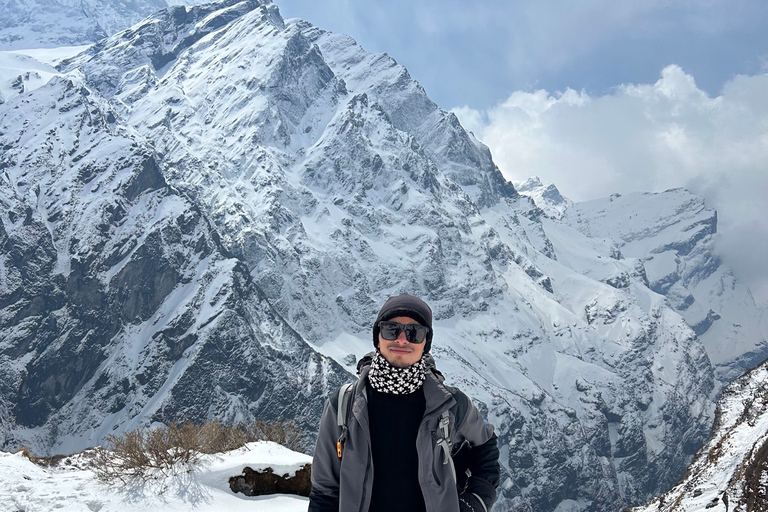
[259,483]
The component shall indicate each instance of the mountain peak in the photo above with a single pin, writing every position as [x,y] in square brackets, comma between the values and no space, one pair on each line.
[531,183]
[547,198]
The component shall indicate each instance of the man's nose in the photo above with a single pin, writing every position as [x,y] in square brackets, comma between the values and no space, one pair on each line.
[401,337]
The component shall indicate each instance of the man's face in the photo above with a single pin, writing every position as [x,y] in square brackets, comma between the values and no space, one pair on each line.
[400,352]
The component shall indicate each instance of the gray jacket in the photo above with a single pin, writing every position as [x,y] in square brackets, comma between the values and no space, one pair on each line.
[348,481]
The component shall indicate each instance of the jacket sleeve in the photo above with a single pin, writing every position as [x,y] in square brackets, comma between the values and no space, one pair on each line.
[483,460]
[324,496]
[486,473]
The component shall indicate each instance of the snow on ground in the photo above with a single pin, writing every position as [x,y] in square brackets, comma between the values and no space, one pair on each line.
[52,56]
[25,486]
[21,73]
[26,70]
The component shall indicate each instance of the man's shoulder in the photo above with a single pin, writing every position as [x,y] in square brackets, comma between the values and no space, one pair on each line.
[362,372]
[333,396]
[462,405]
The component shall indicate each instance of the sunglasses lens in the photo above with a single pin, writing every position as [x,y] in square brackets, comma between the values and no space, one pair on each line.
[390,330]
[415,333]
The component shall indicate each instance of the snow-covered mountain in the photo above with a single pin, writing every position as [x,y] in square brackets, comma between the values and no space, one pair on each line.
[672,236]
[55,23]
[202,214]
[547,198]
[730,470]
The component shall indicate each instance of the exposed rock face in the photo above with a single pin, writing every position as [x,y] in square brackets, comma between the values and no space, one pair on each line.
[730,471]
[203,214]
[265,482]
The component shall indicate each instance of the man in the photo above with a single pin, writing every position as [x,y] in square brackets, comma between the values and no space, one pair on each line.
[409,443]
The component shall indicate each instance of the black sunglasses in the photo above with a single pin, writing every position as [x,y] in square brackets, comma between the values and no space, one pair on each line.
[414,333]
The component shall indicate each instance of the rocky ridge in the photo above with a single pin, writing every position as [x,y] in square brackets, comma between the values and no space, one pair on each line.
[730,471]
[672,235]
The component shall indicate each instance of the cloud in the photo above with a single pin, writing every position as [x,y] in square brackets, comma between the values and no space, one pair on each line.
[648,137]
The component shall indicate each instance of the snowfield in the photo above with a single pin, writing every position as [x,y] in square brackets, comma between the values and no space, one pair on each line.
[25,486]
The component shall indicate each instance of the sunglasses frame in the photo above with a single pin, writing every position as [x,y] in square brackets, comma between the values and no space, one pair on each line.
[411,331]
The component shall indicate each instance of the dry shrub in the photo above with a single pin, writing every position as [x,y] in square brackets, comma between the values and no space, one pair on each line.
[215,437]
[26,453]
[164,451]
[144,453]
[284,433]
[49,461]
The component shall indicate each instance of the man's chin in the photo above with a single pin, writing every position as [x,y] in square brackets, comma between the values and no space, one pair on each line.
[398,360]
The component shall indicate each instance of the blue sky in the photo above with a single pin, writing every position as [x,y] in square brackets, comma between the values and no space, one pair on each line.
[597,96]
[476,53]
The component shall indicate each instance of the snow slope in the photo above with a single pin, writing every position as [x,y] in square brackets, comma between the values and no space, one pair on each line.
[672,234]
[670,238]
[72,486]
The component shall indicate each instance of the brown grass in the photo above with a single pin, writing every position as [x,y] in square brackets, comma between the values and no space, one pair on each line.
[146,453]
[49,461]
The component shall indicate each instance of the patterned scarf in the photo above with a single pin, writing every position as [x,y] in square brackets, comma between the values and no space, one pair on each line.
[386,378]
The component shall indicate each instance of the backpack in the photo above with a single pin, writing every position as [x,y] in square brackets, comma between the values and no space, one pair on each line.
[442,439]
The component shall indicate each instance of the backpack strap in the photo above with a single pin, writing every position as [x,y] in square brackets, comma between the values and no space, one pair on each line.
[444,426]
[445,442]
[342,411]
[459,410]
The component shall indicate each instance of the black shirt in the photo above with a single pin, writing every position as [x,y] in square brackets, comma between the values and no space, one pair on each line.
[394,423]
